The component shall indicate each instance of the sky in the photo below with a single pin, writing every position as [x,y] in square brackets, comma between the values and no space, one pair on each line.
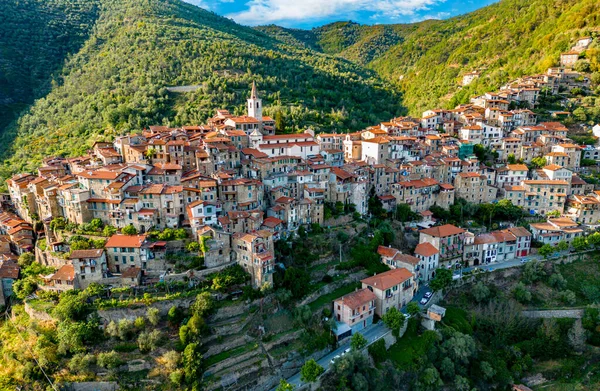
[311,13]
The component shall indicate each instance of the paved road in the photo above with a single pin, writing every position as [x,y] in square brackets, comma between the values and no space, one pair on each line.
[371,333]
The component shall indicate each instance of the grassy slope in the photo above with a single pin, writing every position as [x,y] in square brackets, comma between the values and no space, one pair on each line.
[115,83]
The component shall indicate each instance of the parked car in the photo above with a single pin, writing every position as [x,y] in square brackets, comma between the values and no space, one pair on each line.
[346,351]
[428,294]
[424,300]
[524,260]
[333,360]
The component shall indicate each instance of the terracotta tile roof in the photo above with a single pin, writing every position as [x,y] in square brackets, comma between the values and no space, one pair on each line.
[443,231]
[406,258]
[552,167]
[9,269]
[272,222]
[519,232]
[93,253]
[388,279]
[129,241]
[517,167]
[357,298]
[387,252]
[131,272]
[426,249]
[65,273]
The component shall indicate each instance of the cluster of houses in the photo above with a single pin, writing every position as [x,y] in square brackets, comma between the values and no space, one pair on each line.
[236,185]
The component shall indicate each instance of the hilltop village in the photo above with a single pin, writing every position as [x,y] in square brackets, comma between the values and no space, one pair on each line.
[229,189]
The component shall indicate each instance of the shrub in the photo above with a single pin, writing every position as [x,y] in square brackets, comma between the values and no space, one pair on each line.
[557,281]
[170,360]
[126,329]
[112,330]
[568,297]
[140,323]
[109,360]
[153,316]
[81,363]
[147,342]
[521,293]
[175,315]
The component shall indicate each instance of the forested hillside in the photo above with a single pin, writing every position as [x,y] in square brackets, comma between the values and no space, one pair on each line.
[117,81]
[426,60]
[36,36]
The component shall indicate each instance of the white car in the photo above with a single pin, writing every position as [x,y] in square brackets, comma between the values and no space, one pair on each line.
[333,360]
[424,301]
[428,294]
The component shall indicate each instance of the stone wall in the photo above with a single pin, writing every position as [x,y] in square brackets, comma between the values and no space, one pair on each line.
[92,386]
[35,314]
[132,313]
[355,277]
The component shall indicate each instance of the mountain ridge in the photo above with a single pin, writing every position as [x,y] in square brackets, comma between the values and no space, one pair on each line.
[111,74]
[116,82]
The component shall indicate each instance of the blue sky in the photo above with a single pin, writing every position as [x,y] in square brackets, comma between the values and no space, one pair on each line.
[311,13]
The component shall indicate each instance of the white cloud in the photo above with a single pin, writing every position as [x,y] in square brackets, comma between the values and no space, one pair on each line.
[271,11]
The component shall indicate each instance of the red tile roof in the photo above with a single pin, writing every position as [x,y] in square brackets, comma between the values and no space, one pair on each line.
[356,298]
[443,231]
[388,279]
[426,249]
[65,273]
[129,241]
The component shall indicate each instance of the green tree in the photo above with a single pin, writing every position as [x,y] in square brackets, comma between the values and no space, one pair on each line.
[413,308]
[26,259]
[129,230]
[442,279]
[557,281]
[175,315]
[203,304]
[24,287]
[394,320]
[546,250]
[480,292]
[310,371]
[430,379]
[192,365]
[378,351]
[580,243]
[594,239]
[71,306]
[562,246]
[404,214]
[533,271]
[447,368]
[279,121]
[511,159]
[521,293]
[358,342]
[296,281]
[284,385]
[193,247]
[538,162]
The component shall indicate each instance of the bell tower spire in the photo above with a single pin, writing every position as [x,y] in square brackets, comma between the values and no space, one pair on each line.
[255,105]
